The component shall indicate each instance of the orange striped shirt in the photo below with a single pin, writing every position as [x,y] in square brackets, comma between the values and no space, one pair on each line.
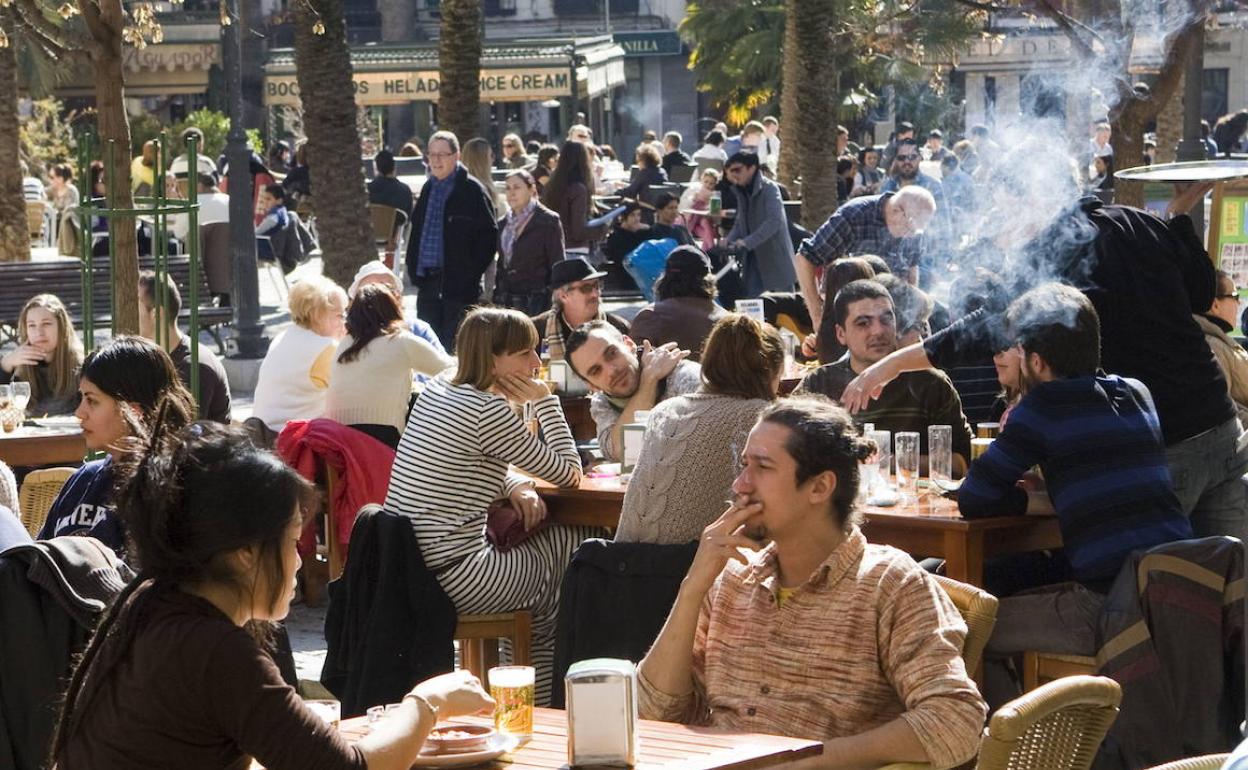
[870,637]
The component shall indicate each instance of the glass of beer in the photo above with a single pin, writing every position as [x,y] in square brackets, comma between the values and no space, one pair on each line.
[512,688]
[987,429]
[979,446]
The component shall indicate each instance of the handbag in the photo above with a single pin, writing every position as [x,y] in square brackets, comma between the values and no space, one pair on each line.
[504,526]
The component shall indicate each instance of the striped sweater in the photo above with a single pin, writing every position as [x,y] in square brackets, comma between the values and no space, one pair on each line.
[1098,442]
[453,462]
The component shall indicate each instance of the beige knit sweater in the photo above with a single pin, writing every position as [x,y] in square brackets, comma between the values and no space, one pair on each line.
[376,386]
[689,458]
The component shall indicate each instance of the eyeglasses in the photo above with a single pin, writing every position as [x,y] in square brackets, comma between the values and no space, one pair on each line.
[1226,296]
[439,155]
[588,287]
[908,156]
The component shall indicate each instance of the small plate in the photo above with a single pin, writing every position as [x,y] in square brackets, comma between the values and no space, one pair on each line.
[500,744]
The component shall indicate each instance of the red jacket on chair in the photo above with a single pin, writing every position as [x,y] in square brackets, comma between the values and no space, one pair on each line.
[361,462]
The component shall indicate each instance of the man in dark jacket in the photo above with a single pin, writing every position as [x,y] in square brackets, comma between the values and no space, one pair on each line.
[387,190]
[453,239]
[673,155]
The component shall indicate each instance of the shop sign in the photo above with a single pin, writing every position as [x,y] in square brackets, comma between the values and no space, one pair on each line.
[377,88]
[663,42]
[172,57]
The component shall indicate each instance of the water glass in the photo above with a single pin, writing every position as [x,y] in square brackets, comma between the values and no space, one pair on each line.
[21,395]
[328,710]
[883,454]
[908,465]
[940,452]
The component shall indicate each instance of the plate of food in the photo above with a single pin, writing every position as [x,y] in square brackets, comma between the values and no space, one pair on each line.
[464,746]
[1192,171]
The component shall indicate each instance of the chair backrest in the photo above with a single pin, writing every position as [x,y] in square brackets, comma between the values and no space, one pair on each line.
[383,219]
[979,610]
[681,173]
[1058,726]
[409,166]
[34,218]
[1207,762]
[705,163]
[39,490]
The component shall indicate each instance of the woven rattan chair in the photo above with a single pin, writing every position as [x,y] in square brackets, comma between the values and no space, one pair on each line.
[1207,762]
[979,610]
[39,490]
[1058,726]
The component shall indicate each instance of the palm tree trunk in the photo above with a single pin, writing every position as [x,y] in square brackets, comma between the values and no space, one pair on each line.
[323,63]
[788,170]
[811,81]
[459,57]
[14,240]
[105,21]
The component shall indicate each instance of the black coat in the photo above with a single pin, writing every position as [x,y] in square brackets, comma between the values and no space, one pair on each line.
[614,601]
[53,593]
[469,237]
[534,253]
[389,623]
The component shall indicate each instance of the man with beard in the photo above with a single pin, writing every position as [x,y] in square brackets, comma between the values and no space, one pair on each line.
[625,381]
[866,324]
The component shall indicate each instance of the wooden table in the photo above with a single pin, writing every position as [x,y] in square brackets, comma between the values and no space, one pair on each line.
[924,529]
[597,502]
[576,412]
[937,529]
[662,745]
[31,446]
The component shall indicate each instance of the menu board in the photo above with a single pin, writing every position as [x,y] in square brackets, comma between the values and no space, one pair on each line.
[1228,230]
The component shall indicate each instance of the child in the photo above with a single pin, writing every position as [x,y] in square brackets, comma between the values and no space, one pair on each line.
[698,198]
[273,201]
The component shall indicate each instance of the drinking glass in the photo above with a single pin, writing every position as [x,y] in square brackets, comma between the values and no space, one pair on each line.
[987,429]
[512,688]
[6,396]
[940,453]
[328,710]
[21,395]
[979,446]
[908,465]
[883,454]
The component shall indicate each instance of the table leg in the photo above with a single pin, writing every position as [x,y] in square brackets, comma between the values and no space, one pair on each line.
[964,557]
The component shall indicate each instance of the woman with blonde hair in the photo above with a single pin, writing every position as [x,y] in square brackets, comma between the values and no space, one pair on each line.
[693,443]
[48,356]
[463,436]
[478,158]
[294,376]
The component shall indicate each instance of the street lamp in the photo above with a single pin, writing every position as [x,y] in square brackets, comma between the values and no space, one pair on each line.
[249,339]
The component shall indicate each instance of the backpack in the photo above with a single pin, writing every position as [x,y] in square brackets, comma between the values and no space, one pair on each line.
[646,262]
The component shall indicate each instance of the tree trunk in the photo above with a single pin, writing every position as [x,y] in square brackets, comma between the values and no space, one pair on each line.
[105,21]
[815,116]
[459,56]
[323,64]
[788,170]
[14,240]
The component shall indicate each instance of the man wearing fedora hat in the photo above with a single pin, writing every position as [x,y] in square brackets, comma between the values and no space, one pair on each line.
[577,299]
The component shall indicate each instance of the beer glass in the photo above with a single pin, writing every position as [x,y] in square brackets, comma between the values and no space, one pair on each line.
[512,688]
[979,446]
[908,465]
[987,429]
[940,453]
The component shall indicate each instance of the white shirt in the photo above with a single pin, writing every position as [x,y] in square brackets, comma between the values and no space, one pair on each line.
[712,152]
[1099,151]
[213,207]
[769,151]
[32,189]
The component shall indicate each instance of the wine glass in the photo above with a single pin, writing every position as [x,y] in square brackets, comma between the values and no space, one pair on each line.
[21,395]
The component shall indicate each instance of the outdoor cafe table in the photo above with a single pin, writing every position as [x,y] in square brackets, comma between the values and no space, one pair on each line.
[662,745]
[922,529]
[30,446]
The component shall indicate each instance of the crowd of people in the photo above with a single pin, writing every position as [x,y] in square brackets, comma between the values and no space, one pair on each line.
[1108,328]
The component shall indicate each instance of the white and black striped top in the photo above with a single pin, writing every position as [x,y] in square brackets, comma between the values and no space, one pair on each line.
[453,463]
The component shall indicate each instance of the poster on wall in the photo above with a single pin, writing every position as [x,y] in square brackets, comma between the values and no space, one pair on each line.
[1228,230]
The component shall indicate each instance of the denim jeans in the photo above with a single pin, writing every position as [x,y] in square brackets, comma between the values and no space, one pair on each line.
[1207,472]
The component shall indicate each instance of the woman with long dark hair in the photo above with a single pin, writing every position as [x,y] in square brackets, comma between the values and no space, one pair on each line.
[123,386]
[178,674]
[370,382]
[569,193]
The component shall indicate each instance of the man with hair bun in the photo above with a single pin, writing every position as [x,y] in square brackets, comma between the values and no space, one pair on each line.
[818,634]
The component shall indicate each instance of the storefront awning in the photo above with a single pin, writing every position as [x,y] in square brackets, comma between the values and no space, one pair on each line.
[516,71]
[157,70]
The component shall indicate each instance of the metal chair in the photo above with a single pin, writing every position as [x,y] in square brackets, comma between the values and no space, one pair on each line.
[38,492]
[1058,726]
[979,610]
[1207,762]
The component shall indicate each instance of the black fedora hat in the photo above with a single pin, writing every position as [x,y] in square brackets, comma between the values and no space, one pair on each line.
[571,270]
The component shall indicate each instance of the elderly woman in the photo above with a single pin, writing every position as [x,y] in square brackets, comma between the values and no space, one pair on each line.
[530,242]
[693,443]
[294,376]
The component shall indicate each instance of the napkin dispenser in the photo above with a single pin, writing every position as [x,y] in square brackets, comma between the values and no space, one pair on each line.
[602,712]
